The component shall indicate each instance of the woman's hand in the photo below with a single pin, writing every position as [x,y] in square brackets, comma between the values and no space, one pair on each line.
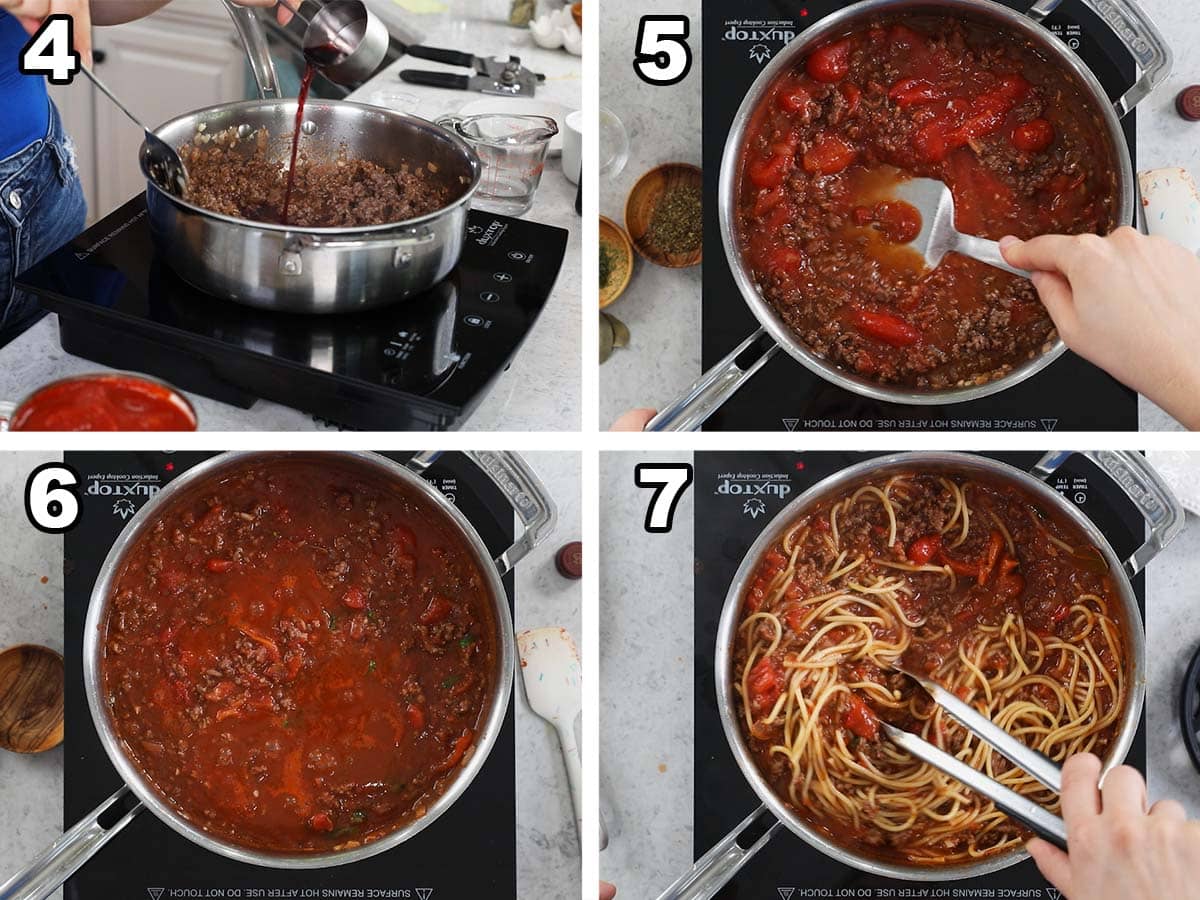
[1119,850]
[1128,303]
[634,420]
[282,13]
[31,14]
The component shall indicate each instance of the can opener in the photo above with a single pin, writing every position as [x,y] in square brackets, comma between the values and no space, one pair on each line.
[493,75]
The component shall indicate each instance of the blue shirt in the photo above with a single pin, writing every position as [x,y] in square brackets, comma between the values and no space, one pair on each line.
[26,108]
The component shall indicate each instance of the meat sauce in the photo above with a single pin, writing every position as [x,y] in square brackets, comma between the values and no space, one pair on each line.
[1038,582]
[105,403]
[250,179]
[299,657]
[1020,144]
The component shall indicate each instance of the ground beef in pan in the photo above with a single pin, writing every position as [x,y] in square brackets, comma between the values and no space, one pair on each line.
[248,180]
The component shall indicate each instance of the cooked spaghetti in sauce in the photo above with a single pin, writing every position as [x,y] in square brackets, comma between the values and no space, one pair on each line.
[972,582]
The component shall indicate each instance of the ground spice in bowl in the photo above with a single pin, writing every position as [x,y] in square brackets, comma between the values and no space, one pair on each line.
[609,260]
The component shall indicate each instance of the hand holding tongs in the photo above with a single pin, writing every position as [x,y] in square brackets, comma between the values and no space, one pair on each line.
[1042,822]
[492,75]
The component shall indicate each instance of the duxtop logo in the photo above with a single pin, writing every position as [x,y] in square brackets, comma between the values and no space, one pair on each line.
[761,36]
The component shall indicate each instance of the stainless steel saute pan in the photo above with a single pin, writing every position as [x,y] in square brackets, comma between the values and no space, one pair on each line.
[1131,473]
[1140,37]
[536,512]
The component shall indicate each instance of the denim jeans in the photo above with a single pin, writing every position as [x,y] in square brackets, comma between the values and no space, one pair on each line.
[41,208]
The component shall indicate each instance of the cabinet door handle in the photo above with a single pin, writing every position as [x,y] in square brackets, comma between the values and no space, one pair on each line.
[99,56]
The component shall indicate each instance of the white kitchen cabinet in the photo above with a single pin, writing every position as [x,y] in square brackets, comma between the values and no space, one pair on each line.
[184,57]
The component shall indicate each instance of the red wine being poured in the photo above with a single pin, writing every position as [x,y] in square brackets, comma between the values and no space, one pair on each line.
[301,99]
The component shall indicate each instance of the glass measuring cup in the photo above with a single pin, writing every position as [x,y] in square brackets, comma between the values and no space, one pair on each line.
[512,150]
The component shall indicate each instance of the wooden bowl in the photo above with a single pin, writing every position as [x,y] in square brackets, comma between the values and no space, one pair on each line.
[614,235]
[643,201]
[31,699]
[577,13]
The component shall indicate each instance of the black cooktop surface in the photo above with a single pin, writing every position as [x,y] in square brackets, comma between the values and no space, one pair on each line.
[149,860]
[420,364]
[739,39]
[737,495]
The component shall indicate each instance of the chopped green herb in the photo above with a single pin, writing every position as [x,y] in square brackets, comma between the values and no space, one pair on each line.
[451,681]
[608,262]
[358,816]
[466,640]
[370,615]
[371,666]
[676,224]
[332,620]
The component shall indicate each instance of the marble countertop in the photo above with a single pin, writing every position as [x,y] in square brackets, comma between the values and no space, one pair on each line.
[647,783]
[662,306]
[1172,638]
[548,856]
[541,390]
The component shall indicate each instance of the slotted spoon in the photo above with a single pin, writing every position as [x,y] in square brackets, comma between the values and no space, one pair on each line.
[159,158]
[938,236]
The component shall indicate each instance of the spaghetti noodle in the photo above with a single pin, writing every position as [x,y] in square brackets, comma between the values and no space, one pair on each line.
[970,582]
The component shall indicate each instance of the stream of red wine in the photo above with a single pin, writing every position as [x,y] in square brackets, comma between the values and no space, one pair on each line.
[302,98]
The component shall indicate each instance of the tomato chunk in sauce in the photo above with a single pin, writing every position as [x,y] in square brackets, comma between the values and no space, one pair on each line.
[299,657]
[1018,140]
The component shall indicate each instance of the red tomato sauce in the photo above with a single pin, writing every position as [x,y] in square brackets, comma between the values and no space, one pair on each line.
[1019,142]
[105,403]
[299,657]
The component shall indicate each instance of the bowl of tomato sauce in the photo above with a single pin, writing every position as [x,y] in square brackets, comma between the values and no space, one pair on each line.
[102,401]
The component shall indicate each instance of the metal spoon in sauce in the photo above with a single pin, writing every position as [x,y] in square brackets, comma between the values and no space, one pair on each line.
[938,236]
[31,699]
[162,160]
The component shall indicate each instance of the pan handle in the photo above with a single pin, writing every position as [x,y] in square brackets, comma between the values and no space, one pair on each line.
[63,858]
[1140,36]
[524,490]
[254,40]
[715,868]
[1141,484]
[712,389]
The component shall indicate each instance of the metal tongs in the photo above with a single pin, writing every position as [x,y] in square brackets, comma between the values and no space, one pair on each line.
[493,75]
[1041,821]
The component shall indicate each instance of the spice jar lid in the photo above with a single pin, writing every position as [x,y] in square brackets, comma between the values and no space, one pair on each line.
[569,560]
[1188,103]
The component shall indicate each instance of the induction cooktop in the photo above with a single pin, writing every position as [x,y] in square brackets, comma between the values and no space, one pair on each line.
[737,495]
[149,861]
[739,39]
[420,364]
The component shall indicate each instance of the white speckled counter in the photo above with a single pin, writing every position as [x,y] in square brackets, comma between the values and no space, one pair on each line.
[1172,638]
[540,391]
[548,863]
[646,686]
[662,306]
[646,747]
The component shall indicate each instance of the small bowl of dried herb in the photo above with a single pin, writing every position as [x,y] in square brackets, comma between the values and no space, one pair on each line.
[665,215]
[616,261]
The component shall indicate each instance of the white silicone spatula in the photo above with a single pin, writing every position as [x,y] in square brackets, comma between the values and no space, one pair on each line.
[550,670]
